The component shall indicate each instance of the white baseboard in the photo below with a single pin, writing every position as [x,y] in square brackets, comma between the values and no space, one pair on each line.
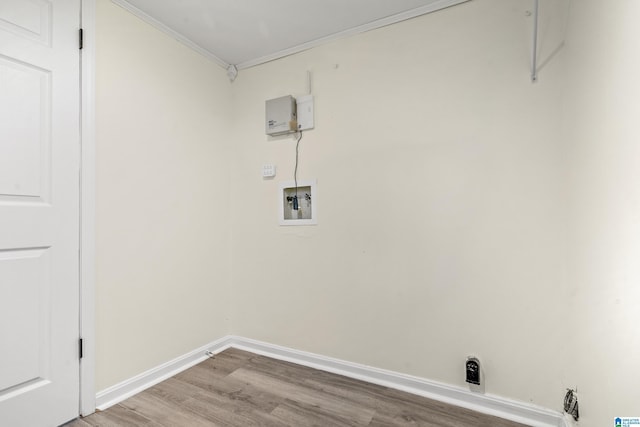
[119,392]
[487,404]
[524,413]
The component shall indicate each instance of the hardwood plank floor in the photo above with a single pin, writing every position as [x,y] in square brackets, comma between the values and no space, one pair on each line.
[237,388]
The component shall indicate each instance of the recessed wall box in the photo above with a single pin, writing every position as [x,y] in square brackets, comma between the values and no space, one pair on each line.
[298,204]
[281,117]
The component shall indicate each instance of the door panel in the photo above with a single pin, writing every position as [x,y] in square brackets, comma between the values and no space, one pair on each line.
[39,211]
[24,153]
[26,300]
[28,18]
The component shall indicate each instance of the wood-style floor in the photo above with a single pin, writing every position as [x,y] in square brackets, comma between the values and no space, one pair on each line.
[242,389]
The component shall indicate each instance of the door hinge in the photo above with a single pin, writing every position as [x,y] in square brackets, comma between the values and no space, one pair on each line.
[81,38]
[81,347]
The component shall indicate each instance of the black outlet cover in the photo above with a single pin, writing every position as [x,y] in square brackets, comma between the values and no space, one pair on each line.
[473,371]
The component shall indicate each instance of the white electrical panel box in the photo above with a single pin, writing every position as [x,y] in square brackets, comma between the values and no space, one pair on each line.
[305,112]
[281,117]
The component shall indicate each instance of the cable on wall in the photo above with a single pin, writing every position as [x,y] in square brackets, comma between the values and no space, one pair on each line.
[295,173]
[534,55]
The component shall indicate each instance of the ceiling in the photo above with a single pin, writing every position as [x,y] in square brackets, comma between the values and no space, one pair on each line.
[244,33]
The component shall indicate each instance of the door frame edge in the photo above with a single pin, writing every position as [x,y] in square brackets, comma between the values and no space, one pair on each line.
[87,403]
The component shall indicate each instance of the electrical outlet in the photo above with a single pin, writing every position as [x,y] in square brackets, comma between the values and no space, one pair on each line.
[571,403]
[472,368]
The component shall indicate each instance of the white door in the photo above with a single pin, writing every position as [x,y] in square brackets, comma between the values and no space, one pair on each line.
[39,212]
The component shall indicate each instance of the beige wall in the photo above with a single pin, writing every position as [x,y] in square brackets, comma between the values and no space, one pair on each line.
[462,209]
[163,262]
[601,127]
[441,215]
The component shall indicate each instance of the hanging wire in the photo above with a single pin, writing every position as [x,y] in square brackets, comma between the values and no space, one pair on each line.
[295,173]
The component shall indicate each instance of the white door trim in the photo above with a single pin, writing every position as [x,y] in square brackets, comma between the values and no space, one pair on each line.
[87,404]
